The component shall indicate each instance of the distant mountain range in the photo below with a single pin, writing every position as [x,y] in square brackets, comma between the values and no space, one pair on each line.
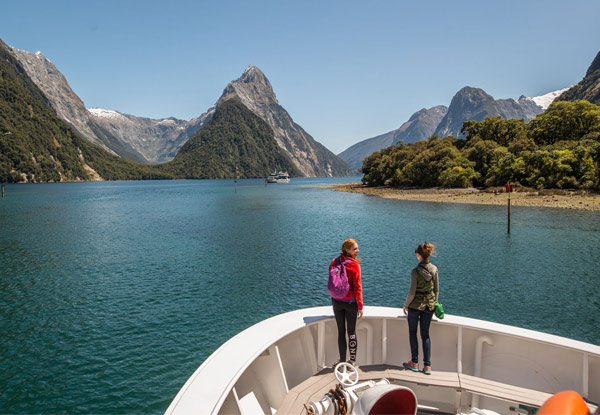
[42,123]
[156,141]
[420,126]
[37,146]
[473,104]
[468,104]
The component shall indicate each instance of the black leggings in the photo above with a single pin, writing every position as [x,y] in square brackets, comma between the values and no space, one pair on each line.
[345,316]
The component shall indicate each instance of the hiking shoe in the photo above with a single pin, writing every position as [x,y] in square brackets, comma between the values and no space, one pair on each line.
[427,370]
[410,365]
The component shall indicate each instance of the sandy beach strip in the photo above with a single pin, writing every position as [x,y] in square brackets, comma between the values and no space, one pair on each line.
[580,200]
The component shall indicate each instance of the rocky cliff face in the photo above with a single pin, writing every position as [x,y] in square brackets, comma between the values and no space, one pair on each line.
[420,125]
[475,104]
[68,105]
[156,140]
[53,84]
[254,90]
[588,88]
[39,146]
[128,136]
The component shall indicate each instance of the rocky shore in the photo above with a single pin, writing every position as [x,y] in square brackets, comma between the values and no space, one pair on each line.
[581,200]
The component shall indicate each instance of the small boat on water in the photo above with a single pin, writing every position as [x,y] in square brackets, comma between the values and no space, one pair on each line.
[282,365]
[278,177]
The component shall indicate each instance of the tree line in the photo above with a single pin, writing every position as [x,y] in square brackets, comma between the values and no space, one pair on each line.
[560,148]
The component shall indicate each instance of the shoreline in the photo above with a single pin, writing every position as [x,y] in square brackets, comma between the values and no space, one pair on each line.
[577,200]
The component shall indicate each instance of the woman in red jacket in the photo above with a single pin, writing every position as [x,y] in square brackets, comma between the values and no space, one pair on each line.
[350,308]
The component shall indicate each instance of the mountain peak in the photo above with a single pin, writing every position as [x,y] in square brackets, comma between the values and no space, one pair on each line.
[252,87]
[469,91]
[248,138]
[588,88]
[251,73]
[475,104]
[255,92]
[594,66]
[438,109]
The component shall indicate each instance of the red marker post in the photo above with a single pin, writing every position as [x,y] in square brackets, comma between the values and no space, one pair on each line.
[509,189]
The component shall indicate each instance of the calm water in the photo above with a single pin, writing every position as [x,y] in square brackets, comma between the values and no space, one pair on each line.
[112,294]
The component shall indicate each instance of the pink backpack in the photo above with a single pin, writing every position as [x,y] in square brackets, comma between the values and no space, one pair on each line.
[338,285]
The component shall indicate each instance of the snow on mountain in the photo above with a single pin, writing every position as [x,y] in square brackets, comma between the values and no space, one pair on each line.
[170,122]
[545,100]
[100,112]
[115,115]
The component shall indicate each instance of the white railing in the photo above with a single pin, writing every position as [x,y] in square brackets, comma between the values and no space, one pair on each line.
[301,342]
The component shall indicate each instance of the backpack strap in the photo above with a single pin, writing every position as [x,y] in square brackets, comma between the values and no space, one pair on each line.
[342,262]
[351,283]
[426,285]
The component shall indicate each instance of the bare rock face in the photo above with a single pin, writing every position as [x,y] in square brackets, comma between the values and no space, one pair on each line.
[156,140]
[53,84]
[420,125]
[134,138]
[254,90]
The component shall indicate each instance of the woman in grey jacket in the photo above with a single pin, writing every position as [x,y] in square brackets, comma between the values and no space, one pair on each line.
[419,305]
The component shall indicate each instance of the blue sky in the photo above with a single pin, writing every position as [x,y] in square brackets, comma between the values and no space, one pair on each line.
[344,70]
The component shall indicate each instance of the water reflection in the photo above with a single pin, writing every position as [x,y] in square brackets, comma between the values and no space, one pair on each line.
[113,293]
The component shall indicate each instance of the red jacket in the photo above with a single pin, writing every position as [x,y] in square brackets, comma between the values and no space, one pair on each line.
[353,273]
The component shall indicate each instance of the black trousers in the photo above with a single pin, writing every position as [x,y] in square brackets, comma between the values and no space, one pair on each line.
[345,317]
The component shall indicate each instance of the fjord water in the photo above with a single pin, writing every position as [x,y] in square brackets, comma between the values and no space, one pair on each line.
[112,294]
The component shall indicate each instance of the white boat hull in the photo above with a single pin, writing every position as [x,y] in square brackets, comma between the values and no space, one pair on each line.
[278,177]
[255,370]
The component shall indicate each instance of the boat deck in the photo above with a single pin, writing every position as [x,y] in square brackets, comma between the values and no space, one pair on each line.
[314,388]
[278,365]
